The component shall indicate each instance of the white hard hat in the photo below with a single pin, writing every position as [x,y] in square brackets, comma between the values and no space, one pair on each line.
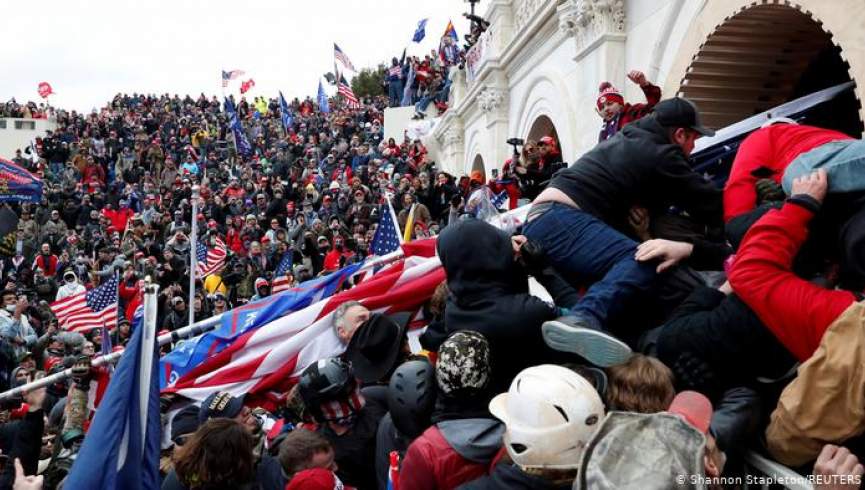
[551,413]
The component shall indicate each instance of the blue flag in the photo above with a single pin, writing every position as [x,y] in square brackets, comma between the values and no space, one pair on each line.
[240,320]
[122,446]
[243,146]
[420,32]
[21,185]
[287,120]
[322,99]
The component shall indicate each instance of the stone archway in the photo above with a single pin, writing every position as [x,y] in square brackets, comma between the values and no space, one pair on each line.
[764,55]
[543,126]
[478,165]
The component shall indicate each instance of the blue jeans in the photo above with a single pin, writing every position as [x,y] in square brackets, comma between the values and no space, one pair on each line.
[584,250]
[394,89]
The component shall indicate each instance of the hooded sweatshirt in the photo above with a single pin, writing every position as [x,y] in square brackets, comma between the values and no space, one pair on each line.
[489,294]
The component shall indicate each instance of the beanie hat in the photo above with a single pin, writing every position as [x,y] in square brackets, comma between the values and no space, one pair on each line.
[463,363]
[607,92]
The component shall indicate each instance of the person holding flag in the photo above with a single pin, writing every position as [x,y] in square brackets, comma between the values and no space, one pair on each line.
[449,50]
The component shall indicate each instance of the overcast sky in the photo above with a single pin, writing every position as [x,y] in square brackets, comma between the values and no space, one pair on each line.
[90,50]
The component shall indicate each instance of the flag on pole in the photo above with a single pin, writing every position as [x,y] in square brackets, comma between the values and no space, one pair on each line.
[451,32]
[242,144]
[285,113]
[272,357]
[230,75]
[245,86]
[338,55]
[420,32]
[280,275]
[345,90]
[19,185]
[88,310]
[387,237]
[122,446]
[322,99]
[188,355]
[210,259]
[409,224]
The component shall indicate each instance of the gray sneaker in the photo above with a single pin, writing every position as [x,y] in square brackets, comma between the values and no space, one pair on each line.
[570,334]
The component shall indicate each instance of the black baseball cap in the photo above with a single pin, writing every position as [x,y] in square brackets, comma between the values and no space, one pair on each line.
[220,405]
[680,113]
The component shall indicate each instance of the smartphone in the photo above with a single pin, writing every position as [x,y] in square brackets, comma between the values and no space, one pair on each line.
[495,173]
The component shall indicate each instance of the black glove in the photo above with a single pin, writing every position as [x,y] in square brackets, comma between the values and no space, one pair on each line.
[81,371]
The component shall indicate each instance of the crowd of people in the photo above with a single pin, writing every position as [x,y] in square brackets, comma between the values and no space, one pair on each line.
[685,325]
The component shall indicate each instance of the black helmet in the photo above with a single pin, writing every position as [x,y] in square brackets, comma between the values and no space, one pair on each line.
[411,397]
[326,380]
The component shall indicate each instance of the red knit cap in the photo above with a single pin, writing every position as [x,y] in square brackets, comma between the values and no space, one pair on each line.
[607,92]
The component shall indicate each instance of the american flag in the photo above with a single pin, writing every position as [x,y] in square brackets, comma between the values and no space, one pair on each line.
[88,310]
[387,235]
[272,357]
[342,58]
[345,90]
[280,277]
[210,259]
[230,75]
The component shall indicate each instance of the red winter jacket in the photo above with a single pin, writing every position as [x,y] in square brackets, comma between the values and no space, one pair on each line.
[432,464]
[774,148]
[118,218]
[795,310]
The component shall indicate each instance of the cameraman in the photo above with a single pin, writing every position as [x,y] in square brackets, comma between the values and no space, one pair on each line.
[537,164]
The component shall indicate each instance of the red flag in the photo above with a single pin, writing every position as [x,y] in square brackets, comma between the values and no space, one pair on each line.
[245,86]
[45,89]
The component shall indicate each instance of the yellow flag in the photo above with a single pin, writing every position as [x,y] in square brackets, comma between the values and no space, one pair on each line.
[409,225]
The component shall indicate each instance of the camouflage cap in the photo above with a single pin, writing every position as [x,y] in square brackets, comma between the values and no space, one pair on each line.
[463,363]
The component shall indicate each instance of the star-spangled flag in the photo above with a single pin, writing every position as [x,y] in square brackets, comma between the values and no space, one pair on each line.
[387,235]
[230,75]
[280,275]
[210,259]
[271,358]
[285,113]
[190,354]
[322,99]
[122,446]
[342,58]
[345,90]
[420,32]
[88,310]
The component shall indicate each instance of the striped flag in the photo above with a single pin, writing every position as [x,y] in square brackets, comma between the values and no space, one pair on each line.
[230,75]
[272,357]
[88,310]
[345,90]
[210,259]
[338,55]
[387,237]
[280,275]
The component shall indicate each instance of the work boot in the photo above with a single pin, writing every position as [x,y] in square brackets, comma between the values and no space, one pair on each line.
[577,335]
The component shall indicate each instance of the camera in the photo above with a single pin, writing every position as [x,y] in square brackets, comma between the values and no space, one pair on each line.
[516,141]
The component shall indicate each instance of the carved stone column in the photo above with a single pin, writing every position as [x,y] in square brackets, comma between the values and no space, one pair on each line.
[493,102]
[592,23]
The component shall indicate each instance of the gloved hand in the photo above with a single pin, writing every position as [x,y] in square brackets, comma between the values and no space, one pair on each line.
[81,370]
[768,191]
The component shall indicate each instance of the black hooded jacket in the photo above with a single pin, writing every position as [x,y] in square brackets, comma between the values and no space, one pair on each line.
[489,294]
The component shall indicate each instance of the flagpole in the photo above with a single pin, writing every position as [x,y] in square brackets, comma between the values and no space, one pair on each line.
[175,336]
[395,222]
[193,254]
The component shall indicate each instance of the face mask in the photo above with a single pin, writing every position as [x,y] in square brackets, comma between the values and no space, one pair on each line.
[10,308]
[322,249]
